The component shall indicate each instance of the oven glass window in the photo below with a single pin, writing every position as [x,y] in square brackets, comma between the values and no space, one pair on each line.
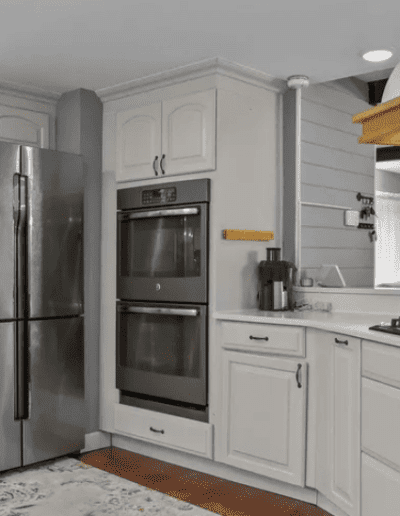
[160,247]
[163,344]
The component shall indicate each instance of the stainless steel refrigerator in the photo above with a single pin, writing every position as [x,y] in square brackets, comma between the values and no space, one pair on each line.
[42,411]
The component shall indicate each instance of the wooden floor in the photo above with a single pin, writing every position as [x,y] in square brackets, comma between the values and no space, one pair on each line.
[212,493]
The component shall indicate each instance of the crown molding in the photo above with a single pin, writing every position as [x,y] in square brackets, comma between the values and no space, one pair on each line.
[29,92]
[189,72]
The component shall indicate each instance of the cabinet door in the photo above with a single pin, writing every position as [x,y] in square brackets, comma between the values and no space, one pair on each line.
[380,488]
[263,415]
[139,143]
[338,426]
[24,127]
[188,133]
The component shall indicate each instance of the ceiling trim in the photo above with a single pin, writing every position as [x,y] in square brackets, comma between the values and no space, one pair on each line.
[193,71]
[28,92]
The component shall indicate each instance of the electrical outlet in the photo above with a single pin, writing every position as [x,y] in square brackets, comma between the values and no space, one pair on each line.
[351,218]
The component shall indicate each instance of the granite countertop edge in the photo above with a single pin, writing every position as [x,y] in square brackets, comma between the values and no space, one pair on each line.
[352,324]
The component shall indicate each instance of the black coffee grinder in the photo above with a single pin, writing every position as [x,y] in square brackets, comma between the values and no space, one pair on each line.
[276,280]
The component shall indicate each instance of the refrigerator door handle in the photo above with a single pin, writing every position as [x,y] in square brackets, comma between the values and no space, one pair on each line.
[16,207]
[20,377]
[20,211]
[23,201]
[16,214]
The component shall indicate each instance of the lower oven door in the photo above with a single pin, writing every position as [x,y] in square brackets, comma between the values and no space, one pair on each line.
[161,351]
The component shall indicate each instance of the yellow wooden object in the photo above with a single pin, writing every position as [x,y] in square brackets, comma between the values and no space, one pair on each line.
[247,234]
[381,124]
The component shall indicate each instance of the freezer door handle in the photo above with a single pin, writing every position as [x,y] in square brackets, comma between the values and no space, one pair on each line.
[21,408]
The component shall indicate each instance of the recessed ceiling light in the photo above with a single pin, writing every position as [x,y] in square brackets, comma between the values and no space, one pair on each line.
[377,55]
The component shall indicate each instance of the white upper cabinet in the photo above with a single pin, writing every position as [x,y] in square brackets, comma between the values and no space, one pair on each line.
[188,133]
[172,137]
[139,143]
[24,127]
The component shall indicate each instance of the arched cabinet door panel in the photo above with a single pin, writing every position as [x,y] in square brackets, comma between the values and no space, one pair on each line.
[24,127]
[188,133]
[139,143]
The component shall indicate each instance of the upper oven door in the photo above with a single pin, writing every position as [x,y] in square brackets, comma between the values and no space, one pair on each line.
[162,254]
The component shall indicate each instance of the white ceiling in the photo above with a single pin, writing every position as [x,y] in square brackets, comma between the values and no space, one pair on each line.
[61,45]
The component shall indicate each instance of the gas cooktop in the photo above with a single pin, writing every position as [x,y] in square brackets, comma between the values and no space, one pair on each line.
[393,327]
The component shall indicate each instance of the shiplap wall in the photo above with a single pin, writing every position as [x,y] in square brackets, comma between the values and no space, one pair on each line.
[335,167]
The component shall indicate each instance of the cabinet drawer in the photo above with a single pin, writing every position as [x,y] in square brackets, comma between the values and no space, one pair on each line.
[380,421]
[381,363]
[172,431]
[267,338]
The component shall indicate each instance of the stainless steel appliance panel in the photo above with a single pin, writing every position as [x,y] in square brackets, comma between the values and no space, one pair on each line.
[10,429]
[163,253]
[161,351]
[56,424]
[164,194]
[9,167]
[55,232]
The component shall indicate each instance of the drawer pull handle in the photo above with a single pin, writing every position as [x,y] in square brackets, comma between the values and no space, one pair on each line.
[345,342]
[258,338]
[298,376]
[157,431]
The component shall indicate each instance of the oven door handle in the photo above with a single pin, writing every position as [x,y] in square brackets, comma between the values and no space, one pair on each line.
[162,213]
[191,312]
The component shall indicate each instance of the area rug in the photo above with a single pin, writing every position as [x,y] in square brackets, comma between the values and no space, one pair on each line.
[68,487]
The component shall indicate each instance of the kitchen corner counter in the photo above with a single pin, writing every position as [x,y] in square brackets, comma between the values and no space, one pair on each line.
[354,324]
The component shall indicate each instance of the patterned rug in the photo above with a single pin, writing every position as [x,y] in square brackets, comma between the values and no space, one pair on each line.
[68,487]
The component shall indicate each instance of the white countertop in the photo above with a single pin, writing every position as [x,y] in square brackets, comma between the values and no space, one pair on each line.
[354,324]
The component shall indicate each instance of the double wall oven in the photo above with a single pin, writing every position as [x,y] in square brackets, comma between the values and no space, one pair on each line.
[162,291]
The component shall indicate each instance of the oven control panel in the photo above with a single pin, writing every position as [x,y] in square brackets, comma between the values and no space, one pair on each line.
[159,196]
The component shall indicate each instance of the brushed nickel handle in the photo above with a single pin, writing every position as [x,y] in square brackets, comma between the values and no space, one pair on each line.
[161,160]
[298,375]
[345,342]
[155,165]
[258,338]
[157,431]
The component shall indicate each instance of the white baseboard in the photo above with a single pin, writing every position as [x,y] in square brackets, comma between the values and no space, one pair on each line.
[96,440]
[329,506]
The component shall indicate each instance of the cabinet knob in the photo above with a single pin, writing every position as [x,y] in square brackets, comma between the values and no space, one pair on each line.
[155,165]
[162,170]
[345,342]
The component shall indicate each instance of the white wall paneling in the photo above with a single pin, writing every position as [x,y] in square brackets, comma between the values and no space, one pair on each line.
[335,167]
